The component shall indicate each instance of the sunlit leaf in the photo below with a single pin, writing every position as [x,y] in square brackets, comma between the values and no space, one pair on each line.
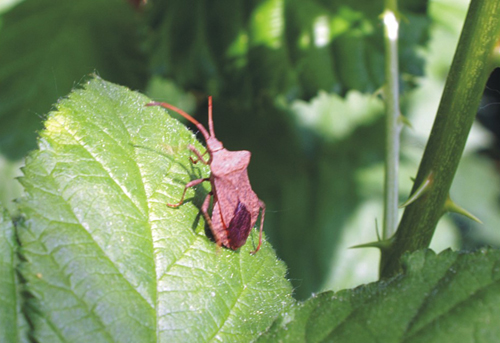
[106,259]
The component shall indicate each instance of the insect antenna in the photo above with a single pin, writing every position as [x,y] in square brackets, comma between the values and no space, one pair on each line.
[210,120]
[185,115]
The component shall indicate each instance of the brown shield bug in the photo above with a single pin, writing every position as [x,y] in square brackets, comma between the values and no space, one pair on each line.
[235,207]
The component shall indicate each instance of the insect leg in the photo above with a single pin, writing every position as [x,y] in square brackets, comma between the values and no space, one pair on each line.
[188,185]
[263,214]
[198,155]
[204,210]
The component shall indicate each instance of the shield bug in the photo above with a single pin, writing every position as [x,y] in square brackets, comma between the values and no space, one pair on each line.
[235,206]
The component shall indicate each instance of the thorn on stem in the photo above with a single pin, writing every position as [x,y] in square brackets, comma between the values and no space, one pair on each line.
[424,187]
[451,206]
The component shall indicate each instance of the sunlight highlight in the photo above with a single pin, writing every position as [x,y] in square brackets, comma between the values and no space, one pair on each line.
[321,31]
[392,25]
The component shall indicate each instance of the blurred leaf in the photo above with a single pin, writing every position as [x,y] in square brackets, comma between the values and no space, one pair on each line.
[450,297]
[349,267]
[336,118]
[13,326]
[343,135]
[5,5]
[160,89]
[10,189]
[106,260]
[272,47]
[46,48]
[475,188]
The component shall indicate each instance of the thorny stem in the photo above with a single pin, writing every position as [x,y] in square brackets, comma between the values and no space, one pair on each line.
[472,64]
[393,127]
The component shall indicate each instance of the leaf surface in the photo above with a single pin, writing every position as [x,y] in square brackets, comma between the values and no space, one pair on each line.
[13,326]
[106,259]
[450,297]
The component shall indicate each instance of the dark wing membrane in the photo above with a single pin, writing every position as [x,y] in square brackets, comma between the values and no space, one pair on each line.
[239,227]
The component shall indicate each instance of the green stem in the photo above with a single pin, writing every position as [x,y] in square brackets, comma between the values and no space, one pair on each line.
[462,93]
[393,128]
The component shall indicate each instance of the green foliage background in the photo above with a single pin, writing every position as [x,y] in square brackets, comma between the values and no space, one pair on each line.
[292,82]
[254,65]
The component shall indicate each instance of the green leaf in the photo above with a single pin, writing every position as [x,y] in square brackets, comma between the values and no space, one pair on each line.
[12,323]
[450,297]
[106,259]
[47,46]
